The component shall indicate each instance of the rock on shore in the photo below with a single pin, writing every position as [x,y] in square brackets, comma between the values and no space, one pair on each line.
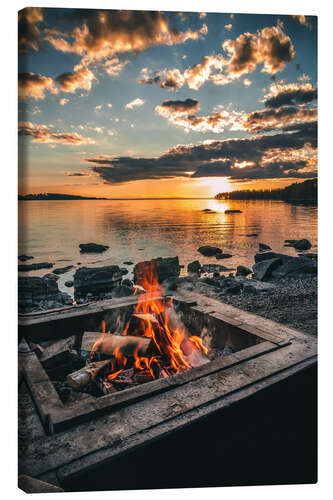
[96,280]
[165,268]
[40,293]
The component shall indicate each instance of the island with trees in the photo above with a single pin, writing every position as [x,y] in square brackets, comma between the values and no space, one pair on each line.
[299,191]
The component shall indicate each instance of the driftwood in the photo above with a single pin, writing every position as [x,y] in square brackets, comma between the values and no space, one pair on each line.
[127,345]
[82,377]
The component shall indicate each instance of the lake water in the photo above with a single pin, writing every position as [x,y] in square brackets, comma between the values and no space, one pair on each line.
[137,230]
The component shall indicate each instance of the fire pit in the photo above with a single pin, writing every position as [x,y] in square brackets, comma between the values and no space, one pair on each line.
[158,343]
[236,354]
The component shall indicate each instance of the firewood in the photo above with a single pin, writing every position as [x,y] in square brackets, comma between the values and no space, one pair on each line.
[127,345]
[82,377]
[57,353]
[105,386]
[143,376]
[38,349]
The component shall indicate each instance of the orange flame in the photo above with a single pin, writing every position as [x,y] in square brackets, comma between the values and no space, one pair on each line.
[154,322]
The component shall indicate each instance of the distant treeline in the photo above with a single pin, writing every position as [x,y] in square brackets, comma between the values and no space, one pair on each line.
[55,196]
[299,191]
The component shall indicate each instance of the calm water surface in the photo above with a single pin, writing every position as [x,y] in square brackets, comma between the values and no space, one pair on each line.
[137,230]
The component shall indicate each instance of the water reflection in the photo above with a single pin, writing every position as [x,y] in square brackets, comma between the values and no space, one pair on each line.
[138,230]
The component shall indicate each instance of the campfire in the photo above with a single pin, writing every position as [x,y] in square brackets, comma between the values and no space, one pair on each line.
[154,343]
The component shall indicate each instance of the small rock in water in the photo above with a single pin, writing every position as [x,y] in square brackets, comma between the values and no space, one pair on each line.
[263,247]
[233,211]
[92,248]
[34,267]
[23,257]
[223,256]
[251,235]
[62,270]
[302,244]
[69,284]
[123,270]
[128,263]
[209,251]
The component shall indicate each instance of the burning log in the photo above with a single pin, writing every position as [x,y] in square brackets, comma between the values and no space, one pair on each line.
[82,377]
[105,386]
[127,345]
[143,376]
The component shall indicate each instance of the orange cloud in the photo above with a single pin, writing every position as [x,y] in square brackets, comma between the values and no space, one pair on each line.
[290,93]
[101,34]
[42,134]
[80,79]
[28,31]
[270,47]
[35,85]
[136,103]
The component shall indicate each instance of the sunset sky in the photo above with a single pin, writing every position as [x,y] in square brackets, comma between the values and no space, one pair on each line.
[128,104]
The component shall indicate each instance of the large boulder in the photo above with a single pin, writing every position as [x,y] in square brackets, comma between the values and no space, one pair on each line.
[161,268]
[263,269]
[92,248]
[35,292]
[209,251]
[296,267]
[96,280]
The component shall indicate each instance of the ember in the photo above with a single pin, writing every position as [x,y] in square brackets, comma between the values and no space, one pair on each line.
[153,344]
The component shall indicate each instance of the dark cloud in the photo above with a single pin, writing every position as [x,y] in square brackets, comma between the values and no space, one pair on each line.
[271,119]
[28,31]
[235,158]
[291,93]
[188,106]
[44,135]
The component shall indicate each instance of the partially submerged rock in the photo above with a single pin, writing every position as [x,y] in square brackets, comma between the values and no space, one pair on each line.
[34,267]
[24,257]
[233,211]
[223,256]
[62,270]
[263,247]
[92,248]
[209,251]
[302,244]
[251,235]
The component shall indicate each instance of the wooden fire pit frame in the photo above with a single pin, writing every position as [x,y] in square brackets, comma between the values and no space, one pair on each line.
[57,416]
